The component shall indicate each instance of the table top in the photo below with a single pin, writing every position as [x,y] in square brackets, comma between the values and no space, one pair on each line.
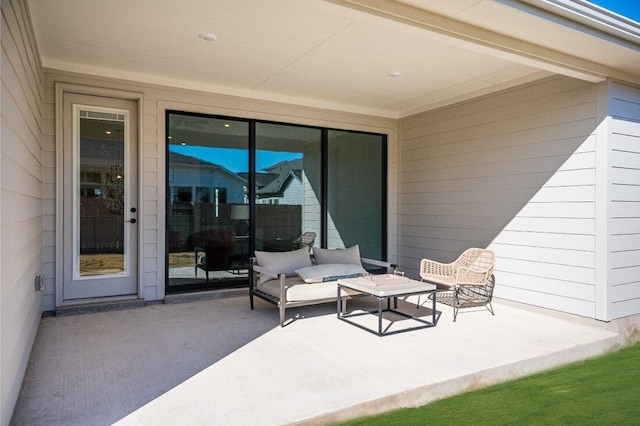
[386,285]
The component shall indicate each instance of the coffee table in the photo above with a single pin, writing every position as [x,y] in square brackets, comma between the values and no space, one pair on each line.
[386,287]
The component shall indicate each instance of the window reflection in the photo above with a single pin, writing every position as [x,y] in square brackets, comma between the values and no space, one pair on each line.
[213,224]
[208,243]
[287,185]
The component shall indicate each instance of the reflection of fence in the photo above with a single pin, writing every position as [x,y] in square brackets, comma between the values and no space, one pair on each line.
[100,230]
[274,222]
[279,221]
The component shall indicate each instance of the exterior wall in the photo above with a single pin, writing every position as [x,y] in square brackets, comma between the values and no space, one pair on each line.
[155,100]
[21,205]
[515,172]
[624,201]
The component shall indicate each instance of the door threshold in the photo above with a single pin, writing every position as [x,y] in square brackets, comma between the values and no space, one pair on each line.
[88,306]
[205,295]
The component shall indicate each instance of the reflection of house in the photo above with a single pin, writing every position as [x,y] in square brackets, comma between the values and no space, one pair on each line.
[101,184]
[281,184]
[201,194]
[102,162]
[194,180]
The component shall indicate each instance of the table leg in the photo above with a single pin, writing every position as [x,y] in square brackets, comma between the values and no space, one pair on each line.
[380,315]
[433,308]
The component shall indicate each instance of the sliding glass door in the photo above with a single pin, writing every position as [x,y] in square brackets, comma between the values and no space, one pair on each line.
[235,186]
[207,201]
[288,182]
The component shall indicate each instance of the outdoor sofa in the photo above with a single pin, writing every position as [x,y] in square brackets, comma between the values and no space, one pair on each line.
[299,278]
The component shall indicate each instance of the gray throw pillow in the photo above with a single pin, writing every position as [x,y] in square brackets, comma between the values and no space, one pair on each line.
[329,272]
[349,255]
[284,262]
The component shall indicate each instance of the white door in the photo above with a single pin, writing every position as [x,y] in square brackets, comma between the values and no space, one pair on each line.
[100,185]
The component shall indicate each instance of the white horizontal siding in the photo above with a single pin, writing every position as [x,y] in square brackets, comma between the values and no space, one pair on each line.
[584,308]
[624,201]
[514,172]
[542,284]
[22,207]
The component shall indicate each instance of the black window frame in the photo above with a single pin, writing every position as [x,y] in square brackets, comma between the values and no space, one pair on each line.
[324,196]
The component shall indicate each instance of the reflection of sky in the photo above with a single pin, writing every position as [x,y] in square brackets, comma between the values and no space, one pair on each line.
[236,160]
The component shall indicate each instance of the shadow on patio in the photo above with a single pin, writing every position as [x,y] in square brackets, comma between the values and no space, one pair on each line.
[217,362]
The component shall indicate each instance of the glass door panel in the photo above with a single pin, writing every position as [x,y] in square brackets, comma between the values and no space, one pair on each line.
[101,245]
[207,201]
[356,182]
[288,186]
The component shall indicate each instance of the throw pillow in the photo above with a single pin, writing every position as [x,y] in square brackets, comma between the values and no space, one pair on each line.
[284,262]
[329,272]
[349,255]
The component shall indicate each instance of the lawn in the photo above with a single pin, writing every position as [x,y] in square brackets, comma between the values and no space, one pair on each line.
[599,391]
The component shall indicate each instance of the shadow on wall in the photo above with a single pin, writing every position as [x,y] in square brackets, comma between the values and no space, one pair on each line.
[515,173]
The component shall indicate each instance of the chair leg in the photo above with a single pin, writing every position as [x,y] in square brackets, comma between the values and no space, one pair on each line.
[490,308]
[455,313]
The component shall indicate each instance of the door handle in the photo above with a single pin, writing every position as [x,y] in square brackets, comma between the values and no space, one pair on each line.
[132,221]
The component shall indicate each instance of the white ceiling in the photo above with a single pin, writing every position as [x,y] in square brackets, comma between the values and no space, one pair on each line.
[331,54]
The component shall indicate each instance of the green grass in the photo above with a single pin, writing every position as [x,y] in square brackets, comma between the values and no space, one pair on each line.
[599,391]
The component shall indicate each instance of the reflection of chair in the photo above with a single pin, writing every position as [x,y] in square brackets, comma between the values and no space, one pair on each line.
[305,240]
[469,279]
[213,249]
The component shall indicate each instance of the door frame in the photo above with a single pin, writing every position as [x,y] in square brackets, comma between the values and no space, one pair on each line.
[60,90]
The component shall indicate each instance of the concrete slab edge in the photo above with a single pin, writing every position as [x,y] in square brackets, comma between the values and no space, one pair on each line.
[423,395]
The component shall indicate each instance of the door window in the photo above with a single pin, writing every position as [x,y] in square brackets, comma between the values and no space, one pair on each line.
[101,241]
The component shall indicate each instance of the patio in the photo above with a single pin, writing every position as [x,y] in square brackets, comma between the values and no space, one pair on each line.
[214,361]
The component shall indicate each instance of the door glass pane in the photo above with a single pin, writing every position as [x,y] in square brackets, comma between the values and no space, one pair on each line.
[100,194]
[288,191]
[356,191]
[207,201]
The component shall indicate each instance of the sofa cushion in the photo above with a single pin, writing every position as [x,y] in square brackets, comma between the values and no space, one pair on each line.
[329,272]
[284,262]
[349,255]
[299,291]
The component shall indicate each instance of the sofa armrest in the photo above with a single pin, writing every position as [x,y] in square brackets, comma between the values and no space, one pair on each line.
[264,271]
[381,263]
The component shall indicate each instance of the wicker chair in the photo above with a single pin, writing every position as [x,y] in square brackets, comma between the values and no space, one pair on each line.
[468,281]
[305,240]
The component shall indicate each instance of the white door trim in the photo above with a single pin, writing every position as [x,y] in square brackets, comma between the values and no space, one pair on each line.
[60,90]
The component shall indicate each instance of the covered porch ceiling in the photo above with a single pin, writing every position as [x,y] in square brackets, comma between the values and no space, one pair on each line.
[379,57]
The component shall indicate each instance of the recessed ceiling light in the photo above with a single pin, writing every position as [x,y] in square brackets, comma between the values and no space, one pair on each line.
[394,74]
[183,143]
[208,37]
[108,132]
[227,125]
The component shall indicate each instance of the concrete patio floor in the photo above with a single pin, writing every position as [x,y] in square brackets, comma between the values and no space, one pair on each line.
[210,362]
